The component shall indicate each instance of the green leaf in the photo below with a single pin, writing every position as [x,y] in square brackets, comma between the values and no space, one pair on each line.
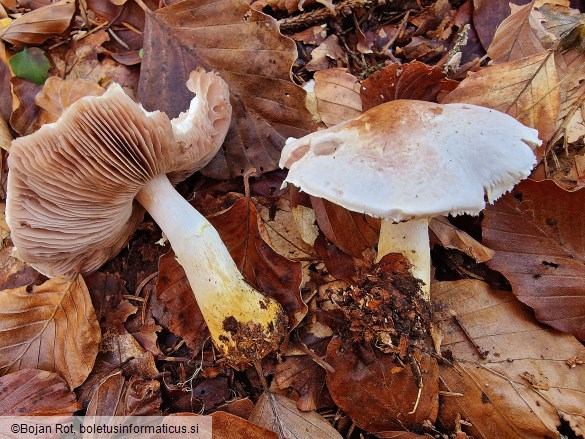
[31,64]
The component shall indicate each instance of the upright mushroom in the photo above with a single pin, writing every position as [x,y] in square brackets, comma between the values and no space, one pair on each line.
[407,161]
[71,192]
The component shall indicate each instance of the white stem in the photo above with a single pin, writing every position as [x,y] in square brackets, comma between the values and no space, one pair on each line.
[244,324]
[411,239]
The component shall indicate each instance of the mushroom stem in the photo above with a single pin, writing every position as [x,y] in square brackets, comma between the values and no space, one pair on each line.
[244,324]
[411,239]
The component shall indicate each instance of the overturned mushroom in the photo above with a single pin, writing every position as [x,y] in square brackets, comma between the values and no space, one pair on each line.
[407,161]
[71,192]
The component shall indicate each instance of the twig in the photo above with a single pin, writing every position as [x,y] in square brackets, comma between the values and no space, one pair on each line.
[308,19]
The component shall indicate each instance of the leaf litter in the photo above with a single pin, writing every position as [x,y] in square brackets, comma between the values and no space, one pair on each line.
[363,356]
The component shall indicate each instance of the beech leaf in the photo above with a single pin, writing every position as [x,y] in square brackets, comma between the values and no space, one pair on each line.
[352,232]
[518,36]
[37,26]
[515,375]
[34,392]
[118,396]
[228,426]
[176,307]
[378,393]
[489,14]
[414,80]
[58,94]
[51,327]
[246,49]
[536,233]
[338,95]
[280,414]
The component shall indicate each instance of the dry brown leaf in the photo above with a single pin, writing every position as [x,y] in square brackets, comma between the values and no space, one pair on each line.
[37,26]
[338,95]
[536,233]
[300,371]
[32,392]
[107,294]
[376,392]
[527,89]
[4,229]
[119,348]
[280,414]
[228,426]
[329,50]
[352,232]
[57,94]
[451,237]
[15,273]
[414,80]
[496,345]
[53,327]
[81,61]
[118,396]
[175,307]
[245,47]
[571,70]
[5,136]
[519,36]
[282,232]
[262,267]
[24,117]
[489,14]
[5,85]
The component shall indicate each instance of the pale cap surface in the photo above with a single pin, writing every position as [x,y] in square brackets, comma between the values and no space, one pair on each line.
[412,159]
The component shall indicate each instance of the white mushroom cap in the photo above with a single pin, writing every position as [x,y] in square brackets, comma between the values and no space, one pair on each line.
[71,184]
[413,159]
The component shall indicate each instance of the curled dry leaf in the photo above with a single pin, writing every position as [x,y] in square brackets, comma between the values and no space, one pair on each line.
[300,371]
[51,327]
[280,414]
[489,14]
[451,237]
[283,233]
[4,229]
[107,293]
[338,95]
[228,426]
[5,136]
[15,273]
[511,371]
[57,94]
[379,394]
[518,36]
[329,50]
[121,349]
[527,89]
[175,307]
[245,47]
[33,392]
[118,396]
[24,117]
[352,232]
[414,80]
[536,233]
[37,26]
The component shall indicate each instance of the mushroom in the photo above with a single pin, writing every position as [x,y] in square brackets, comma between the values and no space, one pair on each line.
[406,161]
[74,189]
